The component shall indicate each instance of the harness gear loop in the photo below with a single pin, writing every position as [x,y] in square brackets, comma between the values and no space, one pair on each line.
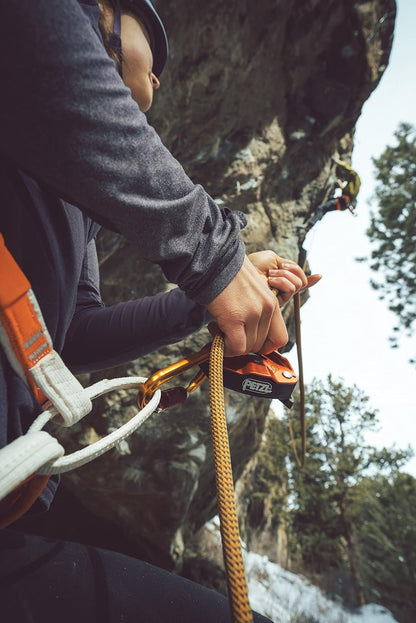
[230,535]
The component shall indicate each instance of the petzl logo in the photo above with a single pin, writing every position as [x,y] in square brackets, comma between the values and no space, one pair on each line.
[258,387]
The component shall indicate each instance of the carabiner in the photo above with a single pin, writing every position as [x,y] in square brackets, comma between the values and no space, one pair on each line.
[176,395]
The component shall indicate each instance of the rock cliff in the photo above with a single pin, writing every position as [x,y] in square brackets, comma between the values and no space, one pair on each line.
[256,100]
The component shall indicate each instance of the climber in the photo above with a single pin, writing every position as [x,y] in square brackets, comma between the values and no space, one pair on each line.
[349,187]
[74,135]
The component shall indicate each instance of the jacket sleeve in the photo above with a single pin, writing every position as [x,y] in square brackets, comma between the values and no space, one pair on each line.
[131,329]
[68,120]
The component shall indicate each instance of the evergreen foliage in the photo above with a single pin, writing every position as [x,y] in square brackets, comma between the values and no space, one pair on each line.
[385,520]
[393,228]
[350,513]
[324,494]
[263,511]
[269,478]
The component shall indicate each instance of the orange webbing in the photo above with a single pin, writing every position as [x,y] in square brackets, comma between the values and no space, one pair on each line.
[13,284]
[19,318]
[231,545]
[21,499]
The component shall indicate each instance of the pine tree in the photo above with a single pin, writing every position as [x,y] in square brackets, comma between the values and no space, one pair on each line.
[263,509]
[338,417]
[393,228]
[385,521]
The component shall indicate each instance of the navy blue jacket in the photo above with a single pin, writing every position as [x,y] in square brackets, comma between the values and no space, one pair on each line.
[72,136]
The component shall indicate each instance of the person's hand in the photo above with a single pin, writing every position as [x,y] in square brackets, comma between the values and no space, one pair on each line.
[248,314]
[283,275]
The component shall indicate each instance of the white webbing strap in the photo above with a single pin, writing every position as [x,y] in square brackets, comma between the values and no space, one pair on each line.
[53,379]
[60,386]
[37,452]
[56,381]
[24,456]
[91,452]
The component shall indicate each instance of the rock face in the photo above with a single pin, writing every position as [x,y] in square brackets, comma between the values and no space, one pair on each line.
[256,99]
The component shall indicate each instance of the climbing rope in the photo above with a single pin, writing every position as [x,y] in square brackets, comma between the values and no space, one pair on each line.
[300,461]
[230,535]
[298,339]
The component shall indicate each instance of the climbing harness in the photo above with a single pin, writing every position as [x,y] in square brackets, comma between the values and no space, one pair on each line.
[27,462]
[28,346]
[33,457]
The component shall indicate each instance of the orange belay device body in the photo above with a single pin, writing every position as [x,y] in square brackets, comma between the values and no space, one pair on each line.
[266,376]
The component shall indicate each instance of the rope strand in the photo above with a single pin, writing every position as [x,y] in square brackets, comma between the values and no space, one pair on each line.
[231,544]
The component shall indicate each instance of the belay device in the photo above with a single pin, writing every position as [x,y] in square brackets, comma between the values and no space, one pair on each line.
[266,376]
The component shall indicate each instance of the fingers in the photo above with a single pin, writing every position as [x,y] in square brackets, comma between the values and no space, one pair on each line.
[249,335]
[248,313]
[277,336]
[289,279]
[313,279]
[285,280]
[235,338]
[244,311]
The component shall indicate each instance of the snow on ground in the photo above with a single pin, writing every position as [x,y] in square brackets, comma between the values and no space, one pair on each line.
[288,598]
[285,597]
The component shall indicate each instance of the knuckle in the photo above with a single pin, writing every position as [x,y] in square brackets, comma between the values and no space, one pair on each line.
[271,304]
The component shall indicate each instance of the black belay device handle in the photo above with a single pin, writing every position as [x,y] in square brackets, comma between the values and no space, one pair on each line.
[264,376]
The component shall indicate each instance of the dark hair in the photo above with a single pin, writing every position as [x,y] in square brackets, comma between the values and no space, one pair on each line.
[108,35]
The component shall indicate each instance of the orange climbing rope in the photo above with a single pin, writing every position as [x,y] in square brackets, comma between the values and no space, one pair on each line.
[231,544]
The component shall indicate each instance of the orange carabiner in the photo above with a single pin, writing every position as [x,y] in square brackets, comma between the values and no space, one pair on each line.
[176,395]
[267,376]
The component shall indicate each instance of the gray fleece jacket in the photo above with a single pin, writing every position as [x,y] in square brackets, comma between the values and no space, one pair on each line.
[69,122]
[73,136]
